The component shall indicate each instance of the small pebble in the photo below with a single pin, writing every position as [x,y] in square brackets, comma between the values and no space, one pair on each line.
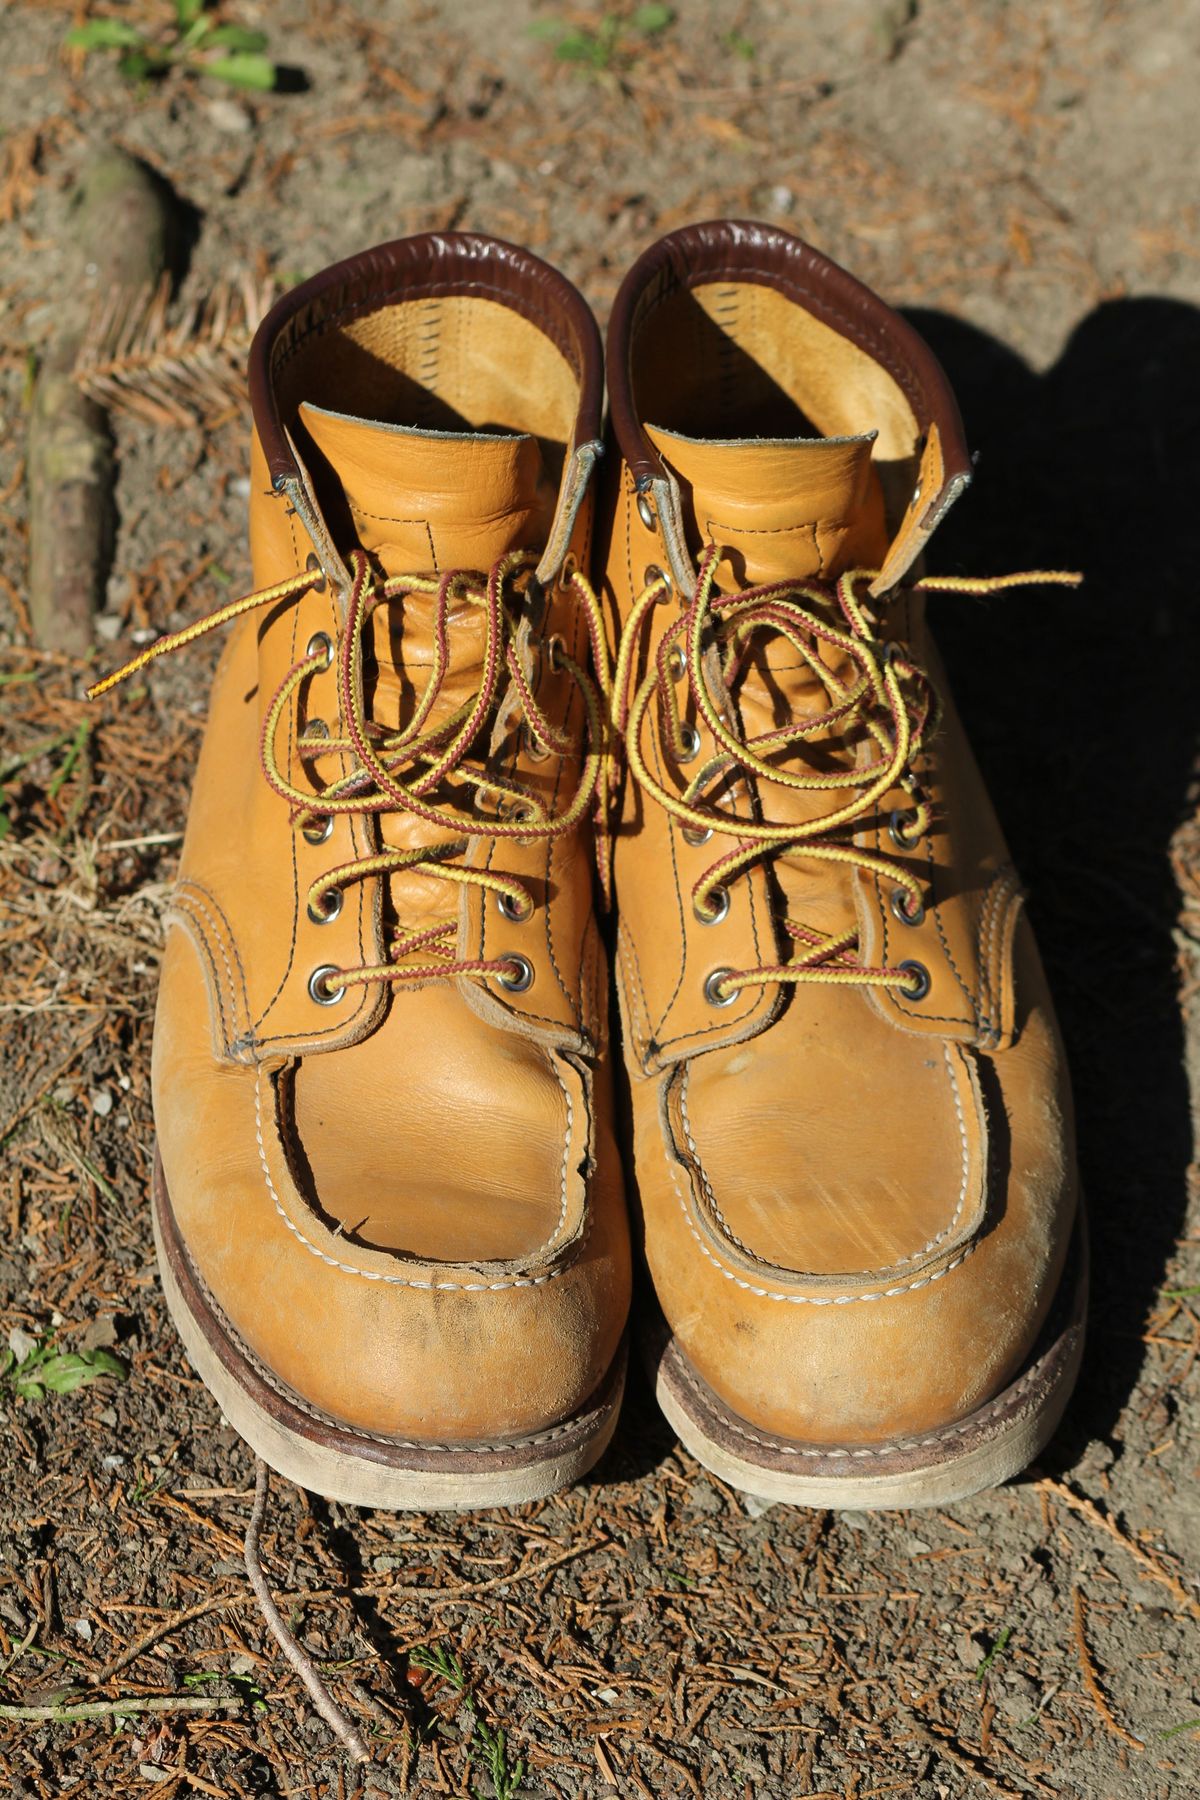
[857,1521]
[102,1102]
[239,487]
[101,1332]
[782,199]
[756,1506]
[114,1461]
[108,627]
[21,1342]
[705,1499]
[227,115]
[82,1628]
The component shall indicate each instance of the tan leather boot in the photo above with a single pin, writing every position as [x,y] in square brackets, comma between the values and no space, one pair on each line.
[852,1122]
[389,1208]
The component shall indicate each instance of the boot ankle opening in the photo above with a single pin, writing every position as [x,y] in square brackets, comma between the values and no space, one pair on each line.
[735,359]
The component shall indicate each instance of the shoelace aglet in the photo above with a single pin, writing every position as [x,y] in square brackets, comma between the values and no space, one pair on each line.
[178,640]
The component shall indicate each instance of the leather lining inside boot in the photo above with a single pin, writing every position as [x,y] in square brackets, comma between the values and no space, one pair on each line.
[736,360]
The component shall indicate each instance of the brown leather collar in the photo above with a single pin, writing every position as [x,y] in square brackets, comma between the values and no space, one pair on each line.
[739,250]
[436,263]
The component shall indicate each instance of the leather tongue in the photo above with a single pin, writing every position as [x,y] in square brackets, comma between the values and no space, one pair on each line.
[785,507]
[426,501]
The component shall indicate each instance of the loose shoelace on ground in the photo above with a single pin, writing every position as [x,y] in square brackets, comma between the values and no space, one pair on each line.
[882,695]
[401,770]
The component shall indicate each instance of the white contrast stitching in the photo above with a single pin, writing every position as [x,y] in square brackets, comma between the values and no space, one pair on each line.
[451,1287]
[289,1394]
[900,1261]
[1002,898]
[566,1159]
[748,1287]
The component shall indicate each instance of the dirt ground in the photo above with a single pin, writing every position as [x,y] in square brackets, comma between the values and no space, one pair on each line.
[1022,177]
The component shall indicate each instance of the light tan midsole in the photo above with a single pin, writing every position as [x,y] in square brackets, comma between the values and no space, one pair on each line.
[969,1471]
[339,1475]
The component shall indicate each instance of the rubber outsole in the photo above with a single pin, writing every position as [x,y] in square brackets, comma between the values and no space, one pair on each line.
[340,1461]
[990,1446]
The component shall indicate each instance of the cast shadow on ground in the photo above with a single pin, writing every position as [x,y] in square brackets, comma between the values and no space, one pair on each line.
[1084,711]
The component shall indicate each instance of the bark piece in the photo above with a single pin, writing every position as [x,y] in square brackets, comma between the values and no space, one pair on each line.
[126,236]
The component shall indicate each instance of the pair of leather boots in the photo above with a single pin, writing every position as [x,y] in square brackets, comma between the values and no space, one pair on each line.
[472,707]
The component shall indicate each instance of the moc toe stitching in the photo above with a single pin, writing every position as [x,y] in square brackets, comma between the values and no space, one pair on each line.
[761,1293]
[394,1441]
[864,1275]
[513,1280]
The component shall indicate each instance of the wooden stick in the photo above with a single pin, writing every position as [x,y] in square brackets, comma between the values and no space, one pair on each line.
[322,1699]
[123,240]
[1089,1510]
[1092,1681]
[65,1712]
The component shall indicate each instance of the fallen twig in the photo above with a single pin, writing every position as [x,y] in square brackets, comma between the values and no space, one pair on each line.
[322,1699]
[123,240]
[944,1745]
[1092,1681]
[131,1652]
[1089,1510]
[64,1713]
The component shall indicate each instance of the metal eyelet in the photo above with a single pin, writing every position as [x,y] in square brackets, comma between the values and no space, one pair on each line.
[325,915]
[521,980]
[907,914]
[320,644]
[718,900]
[512,910]
[320,831]
[712,985]
[696,837]
[903,840]
[554,648]
[675,663]
[534,751]
[313,564]
[315,728]
[646,512]
[570,567]
[919,982]
[652,573]
[689,743]
[318,989]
